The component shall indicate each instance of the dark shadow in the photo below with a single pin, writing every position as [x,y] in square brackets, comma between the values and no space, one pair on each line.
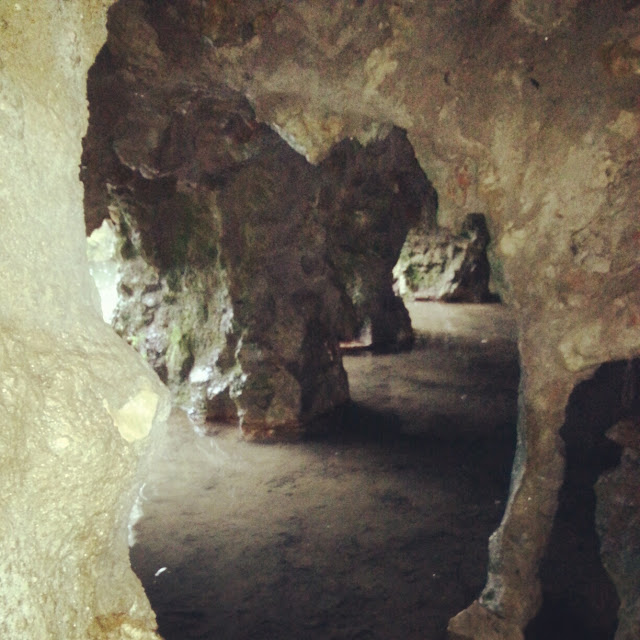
[358,423]
[580,600]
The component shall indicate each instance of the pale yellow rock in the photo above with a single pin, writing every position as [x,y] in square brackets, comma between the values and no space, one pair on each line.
[378,66]
[68,478]
[135,418]
[580,348]
[478,623]
[627,125]
[512,241]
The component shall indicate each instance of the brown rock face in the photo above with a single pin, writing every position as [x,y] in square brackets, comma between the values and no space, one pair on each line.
[243,264]
[527,113]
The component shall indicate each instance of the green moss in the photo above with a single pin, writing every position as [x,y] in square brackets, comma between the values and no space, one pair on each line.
[181,352]
[192,239]
[412,275]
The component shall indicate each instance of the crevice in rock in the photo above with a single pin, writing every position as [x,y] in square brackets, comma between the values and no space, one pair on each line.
[585,557]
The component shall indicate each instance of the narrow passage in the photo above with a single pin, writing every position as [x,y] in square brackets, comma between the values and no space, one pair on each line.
[377,531]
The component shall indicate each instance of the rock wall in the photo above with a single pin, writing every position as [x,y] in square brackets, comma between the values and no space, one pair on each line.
[79,409]
[525,112]
[243,264]
[441,265]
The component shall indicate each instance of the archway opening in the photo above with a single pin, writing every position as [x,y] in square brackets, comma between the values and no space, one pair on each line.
[242,267]
[590,533]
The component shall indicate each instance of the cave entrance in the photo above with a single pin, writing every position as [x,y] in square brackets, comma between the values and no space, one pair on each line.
[594,526]
[242,265]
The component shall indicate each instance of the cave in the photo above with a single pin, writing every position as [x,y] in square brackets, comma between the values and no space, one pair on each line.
[269,172]
[579,586]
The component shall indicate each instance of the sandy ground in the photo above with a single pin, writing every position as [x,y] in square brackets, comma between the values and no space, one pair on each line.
[376,531]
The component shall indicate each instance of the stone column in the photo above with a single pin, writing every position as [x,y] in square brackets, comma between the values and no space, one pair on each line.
[79,409]
[512,595]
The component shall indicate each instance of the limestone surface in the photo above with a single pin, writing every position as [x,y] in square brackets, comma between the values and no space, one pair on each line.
[80,411]
[441,265]
[242,264]
[521,110]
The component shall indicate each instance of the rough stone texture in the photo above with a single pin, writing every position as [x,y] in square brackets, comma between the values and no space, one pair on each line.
[526,112]
[79,409]
[234,285]
[441,265]
[477,623]
[180,319]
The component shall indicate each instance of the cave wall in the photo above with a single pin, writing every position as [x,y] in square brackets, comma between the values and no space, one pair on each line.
[80,410]
[524,111]
[242,264]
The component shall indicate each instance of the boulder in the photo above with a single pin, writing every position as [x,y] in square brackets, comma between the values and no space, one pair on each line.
[440,265]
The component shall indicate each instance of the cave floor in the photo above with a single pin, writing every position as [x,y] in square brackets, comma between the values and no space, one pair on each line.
[377,530]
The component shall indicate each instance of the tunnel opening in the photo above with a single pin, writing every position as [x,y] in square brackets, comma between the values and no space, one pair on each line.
[375,529]
[577,574]
[241,266]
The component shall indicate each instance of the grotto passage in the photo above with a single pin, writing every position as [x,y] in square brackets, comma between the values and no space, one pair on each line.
[376,531]
[524,110]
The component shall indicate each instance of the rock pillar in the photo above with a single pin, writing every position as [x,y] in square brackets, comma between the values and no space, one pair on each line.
[79,409]
[512,595]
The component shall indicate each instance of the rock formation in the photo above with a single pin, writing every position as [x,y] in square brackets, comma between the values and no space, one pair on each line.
[80,410]
[236,286]
[441,265]
[525,111]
